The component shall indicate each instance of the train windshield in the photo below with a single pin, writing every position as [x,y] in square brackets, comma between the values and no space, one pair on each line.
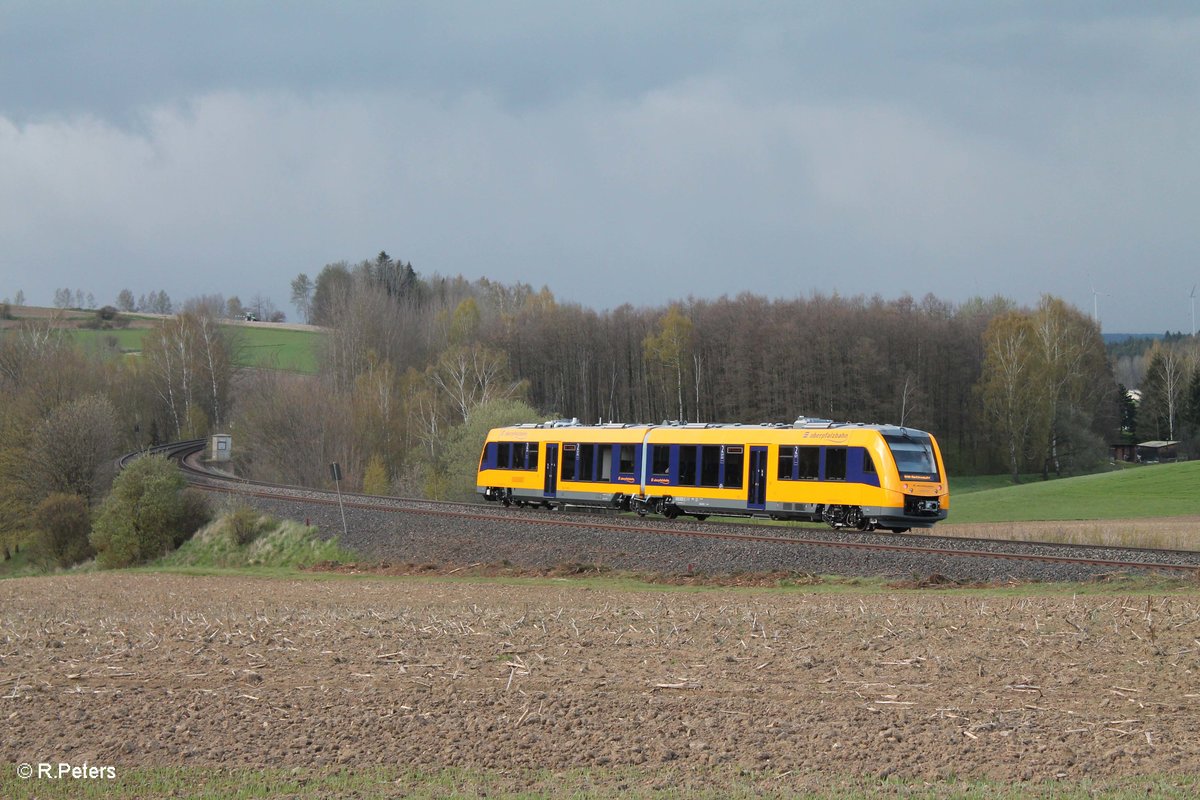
[914,456]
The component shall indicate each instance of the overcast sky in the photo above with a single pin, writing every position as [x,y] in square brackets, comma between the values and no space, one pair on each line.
[615,152]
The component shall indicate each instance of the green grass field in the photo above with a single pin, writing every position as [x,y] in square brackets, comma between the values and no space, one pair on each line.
[127,340]
[277,348]
[1159,490]
[259,346]
[20,565]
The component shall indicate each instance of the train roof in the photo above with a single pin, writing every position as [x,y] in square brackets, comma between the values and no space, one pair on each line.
[802,423]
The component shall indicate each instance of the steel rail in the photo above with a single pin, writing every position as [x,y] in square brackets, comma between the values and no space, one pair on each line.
[182,451]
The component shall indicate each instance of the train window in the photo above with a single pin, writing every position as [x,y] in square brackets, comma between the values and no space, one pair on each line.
[531,456]
[914,456]
[868,465]
[735,458]
[835,463]
[483,458]
[662,459]
[787,462]
[568,462]
[627,451]
[587,462]
[687,465]
[810,463]
[710,465]
[504,460]
[606,463]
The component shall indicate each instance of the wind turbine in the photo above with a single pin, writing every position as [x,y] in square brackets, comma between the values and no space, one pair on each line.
[1192,297]
[1096,304]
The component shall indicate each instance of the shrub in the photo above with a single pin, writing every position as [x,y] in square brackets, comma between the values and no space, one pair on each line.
[277,544]
[104,319]
[73,448]
[244,525]
[144,516]
[461,445]
[62,523]
[194,514]
[375,477]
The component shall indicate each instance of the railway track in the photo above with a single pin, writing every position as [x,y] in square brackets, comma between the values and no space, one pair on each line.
[961,557]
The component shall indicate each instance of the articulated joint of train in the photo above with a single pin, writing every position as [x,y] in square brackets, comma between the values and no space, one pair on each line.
[664,505]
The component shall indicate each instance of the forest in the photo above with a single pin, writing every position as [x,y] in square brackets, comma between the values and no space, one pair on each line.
[413,370]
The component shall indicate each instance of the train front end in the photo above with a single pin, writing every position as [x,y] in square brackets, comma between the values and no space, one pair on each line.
[919,483]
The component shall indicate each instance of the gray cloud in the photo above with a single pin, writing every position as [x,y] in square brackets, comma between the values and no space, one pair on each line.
[943,149]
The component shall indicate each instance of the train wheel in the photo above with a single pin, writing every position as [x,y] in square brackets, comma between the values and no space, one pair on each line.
[854,517]
[700,517]
[671,512]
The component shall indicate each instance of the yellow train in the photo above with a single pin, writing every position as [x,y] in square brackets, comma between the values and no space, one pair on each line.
[848,475]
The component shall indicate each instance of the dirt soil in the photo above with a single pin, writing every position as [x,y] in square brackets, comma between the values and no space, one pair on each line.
[163,670]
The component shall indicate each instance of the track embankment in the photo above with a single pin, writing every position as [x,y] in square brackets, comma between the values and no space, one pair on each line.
[425,532]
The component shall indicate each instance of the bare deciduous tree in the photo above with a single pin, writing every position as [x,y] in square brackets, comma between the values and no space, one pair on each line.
[1009,394]
[191,361]
[473,376]
[73,449]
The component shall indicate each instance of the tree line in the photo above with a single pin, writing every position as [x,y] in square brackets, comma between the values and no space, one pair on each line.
[409,361]
[68,413]
[414,369]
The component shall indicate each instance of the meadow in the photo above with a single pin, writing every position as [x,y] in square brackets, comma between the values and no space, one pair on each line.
[1152,490]
[258,346]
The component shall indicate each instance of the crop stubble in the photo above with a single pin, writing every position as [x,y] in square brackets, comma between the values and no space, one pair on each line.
[154,670]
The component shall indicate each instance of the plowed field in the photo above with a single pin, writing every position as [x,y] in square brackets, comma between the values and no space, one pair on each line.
[141,670]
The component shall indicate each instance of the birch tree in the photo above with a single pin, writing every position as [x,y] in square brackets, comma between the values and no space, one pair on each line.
[670,349]
[1072,370]
[190,361]
[1163,389]
[1007,388]
[473,376]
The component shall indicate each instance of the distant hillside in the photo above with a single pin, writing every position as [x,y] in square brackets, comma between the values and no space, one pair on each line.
[264,345]
[1160,490]
[1117,338]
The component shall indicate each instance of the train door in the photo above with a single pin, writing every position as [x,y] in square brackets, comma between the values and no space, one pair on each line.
[551,485]
[757,499]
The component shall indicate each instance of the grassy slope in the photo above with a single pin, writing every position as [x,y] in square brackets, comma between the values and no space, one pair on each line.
[1162,490]
[20,565]
[129,340]
[277,348]
[285,545]
[261,346]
